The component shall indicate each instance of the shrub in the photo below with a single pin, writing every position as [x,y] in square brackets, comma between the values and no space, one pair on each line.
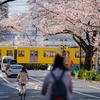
[91,75]
[98,77]
[84,74]
[79,73]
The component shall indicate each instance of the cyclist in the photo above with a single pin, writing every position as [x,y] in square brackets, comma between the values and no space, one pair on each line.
[22,77]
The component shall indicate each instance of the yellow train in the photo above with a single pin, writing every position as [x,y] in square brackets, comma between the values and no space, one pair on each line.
[39,57]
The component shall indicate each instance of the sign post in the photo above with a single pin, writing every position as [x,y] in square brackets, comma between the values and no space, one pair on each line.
[63,48]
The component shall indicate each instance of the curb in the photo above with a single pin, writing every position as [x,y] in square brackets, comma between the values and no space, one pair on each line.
[87,80]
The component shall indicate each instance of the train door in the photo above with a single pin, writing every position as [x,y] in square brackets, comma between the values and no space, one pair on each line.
[33,56]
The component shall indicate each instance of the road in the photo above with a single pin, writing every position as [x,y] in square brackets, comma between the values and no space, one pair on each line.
[82,90]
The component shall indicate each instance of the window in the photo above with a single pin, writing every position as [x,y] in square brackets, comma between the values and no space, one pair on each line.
[49,53]
[77,54]
[21,53]
[6,60]
[9,53]
[13,62]
[34,53]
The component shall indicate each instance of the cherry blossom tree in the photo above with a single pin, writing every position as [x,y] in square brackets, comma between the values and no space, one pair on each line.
[17,24]
[81,18]
[39,42]
[10,25]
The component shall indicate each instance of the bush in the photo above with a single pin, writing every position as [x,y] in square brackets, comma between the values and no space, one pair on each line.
[91,75]
[87,75]
[79,73]
[84,75]
[98,77]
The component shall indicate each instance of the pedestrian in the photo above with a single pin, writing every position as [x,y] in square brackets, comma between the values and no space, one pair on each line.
[71,65]
[76,68]
[59,72]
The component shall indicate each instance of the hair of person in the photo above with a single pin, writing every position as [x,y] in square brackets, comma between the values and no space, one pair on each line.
[24,70]
[58,63]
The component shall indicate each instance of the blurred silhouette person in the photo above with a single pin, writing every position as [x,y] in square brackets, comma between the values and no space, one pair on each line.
[76,68]
[71,65]
[59,72]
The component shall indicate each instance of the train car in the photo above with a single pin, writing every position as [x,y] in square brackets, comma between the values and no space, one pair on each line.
[36,56]
[40,57]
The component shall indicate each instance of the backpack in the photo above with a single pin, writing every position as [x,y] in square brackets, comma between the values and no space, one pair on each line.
[58,89]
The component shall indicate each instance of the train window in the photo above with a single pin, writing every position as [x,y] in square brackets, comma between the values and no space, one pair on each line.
[21,53]
[49,53]
[77,54]
[9,53]
[34,52]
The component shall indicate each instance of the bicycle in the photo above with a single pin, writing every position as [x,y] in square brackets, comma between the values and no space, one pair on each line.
[23,93]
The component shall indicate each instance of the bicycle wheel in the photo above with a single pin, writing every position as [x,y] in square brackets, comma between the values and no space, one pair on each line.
[24,95]
[21,97]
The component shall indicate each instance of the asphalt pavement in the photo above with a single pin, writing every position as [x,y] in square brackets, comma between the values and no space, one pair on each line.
[82,90]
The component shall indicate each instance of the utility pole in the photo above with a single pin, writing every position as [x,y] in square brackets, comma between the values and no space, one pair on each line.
[80,54]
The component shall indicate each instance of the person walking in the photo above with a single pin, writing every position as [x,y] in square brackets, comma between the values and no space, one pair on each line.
[22,77]
[60,74]
[71,65]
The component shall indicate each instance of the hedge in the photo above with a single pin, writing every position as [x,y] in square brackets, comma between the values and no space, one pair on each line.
[87,75]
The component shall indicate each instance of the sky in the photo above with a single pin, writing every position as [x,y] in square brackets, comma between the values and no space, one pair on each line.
[18,6]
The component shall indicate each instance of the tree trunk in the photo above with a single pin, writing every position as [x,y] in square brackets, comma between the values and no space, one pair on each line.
[88,49]
[88,58]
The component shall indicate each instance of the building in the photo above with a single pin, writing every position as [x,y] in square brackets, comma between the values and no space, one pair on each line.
[57,40]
